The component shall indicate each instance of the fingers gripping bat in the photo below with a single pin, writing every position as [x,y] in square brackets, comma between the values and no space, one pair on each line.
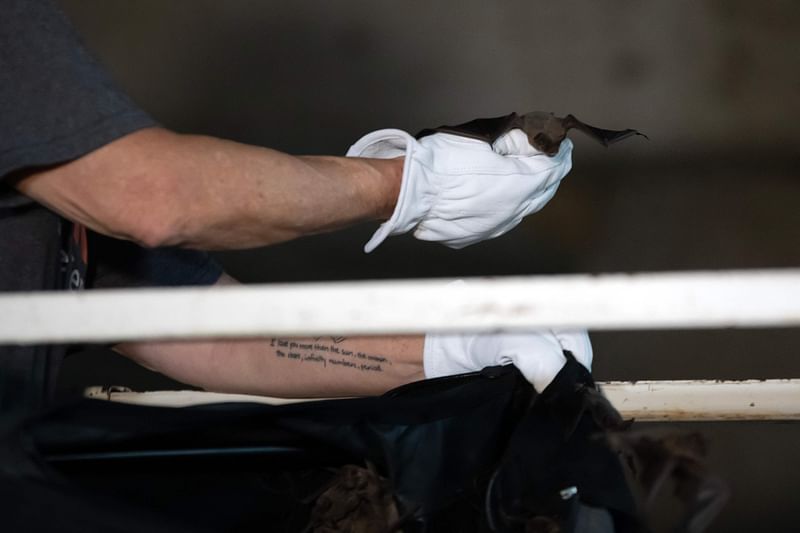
[545,131]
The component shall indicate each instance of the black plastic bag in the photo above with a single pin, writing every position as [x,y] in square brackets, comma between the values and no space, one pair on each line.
[477,452]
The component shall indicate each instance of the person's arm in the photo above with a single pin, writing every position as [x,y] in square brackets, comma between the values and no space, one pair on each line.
[159,188]
[287,367]
[355,366]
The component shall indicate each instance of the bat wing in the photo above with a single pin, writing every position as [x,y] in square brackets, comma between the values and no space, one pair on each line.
[604,137]
[702,494]
[484,129]
[544,130]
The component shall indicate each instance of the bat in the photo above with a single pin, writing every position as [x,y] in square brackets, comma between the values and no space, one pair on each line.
[358,500]
[605,415]
[545,131]
[587,398]
[678,458]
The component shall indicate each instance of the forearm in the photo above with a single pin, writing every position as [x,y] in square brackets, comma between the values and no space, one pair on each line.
[160,188]
[240,196]
[307,367]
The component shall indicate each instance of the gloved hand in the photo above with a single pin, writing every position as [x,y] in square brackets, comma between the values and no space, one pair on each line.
[459,191]
[538,355]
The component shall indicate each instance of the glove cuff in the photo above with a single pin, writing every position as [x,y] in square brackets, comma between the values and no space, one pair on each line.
[415,198]
[537,354]
[447,355]
[576,342]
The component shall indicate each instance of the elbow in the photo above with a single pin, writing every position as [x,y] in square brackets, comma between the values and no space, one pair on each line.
[154,232]
[146,231]
[150,224]
[153,211]
[135,188]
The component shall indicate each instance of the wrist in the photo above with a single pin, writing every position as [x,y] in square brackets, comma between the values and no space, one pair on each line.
[407,189]
[382,189]
[393,178]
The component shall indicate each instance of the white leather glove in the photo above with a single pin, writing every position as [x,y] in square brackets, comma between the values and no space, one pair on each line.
[459,191]
[538,355]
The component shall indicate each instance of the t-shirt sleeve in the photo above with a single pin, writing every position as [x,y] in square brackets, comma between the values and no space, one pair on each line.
[56,102]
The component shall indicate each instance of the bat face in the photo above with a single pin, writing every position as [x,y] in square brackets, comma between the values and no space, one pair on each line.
[545,131]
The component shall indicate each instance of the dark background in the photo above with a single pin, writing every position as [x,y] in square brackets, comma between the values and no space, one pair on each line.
[714,84]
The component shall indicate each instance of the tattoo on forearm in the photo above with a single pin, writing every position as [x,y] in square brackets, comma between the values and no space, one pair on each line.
[328,353]
[336,340]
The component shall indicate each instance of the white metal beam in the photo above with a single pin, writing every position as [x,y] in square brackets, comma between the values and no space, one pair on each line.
[654,401]
[645,401]
[722,299]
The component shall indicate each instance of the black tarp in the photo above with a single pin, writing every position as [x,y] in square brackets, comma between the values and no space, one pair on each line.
[477,452]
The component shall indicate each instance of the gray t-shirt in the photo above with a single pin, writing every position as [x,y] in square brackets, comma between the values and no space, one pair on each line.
[57,104]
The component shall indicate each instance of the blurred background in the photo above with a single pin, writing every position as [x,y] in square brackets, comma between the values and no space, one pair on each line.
[715,85]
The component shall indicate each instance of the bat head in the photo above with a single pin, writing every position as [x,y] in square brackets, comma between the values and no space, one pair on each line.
[545,131]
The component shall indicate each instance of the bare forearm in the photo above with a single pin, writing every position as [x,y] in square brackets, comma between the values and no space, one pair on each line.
[240,196]
[160,188]
[297,367]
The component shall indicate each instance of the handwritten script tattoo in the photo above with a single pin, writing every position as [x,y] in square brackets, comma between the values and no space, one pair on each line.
[331,353]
